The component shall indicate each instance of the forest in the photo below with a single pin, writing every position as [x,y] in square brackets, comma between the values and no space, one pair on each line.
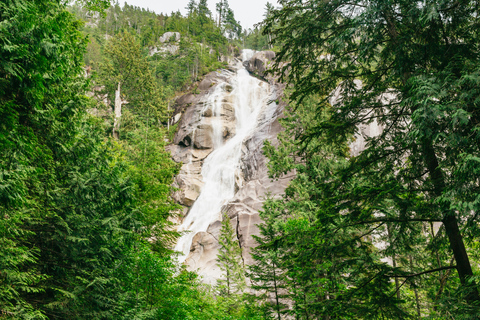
[87,216]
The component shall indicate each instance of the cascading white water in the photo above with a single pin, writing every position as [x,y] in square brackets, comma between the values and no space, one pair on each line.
[247,54]
[250,97]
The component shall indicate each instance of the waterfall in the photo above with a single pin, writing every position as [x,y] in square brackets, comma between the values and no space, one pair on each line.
[250,97]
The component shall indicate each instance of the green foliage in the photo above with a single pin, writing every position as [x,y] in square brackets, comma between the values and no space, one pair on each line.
[226,20]
[95,5]
[40,49]
[412,70]
[266,273]
[230,261]
[199,51]
[76,206]
[258,38]
[328,267]
[126,65]
[255,40]
[179,69]
[152,171]
[155,288]
[204,14]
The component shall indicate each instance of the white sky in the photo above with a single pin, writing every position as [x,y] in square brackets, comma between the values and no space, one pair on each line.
[248,12]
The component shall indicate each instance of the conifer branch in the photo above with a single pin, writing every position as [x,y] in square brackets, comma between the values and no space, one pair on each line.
[421,273]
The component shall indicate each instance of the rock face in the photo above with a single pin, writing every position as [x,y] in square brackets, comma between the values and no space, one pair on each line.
[170,36]
[194,142]
[258,64]
[365,130]
[164,49]
[169,44]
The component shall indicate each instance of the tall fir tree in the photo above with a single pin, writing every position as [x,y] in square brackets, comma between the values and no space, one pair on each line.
[230,261]
[204,13]
[191,7]
[266,273]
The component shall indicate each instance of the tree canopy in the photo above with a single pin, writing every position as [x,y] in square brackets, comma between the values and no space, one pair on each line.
[412,68]
[85,220]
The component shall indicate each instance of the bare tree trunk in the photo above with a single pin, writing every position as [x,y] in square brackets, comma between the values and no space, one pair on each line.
[118,112]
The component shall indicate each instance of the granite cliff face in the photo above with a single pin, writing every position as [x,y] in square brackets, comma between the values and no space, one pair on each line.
[220,135]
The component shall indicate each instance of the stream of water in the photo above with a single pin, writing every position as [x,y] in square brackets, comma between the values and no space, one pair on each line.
[250,97]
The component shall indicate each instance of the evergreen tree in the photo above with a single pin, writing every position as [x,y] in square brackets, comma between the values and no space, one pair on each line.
[328,270]
[268,12]
[204,13]
[226,20]
[220,7]
[418,67]
[191,7]
[65,207]
[267,274]
[71,212]
[230,261]
[77,207]
[232,26]
[128,79]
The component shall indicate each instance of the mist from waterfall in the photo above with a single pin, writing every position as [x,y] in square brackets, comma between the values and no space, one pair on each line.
[250,97]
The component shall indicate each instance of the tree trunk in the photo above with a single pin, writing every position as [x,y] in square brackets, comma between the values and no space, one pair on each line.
[276,292]
[450,222]
[394,263]
[417,301]
[118,112]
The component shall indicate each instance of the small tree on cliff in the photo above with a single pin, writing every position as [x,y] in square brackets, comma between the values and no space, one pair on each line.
[230,261]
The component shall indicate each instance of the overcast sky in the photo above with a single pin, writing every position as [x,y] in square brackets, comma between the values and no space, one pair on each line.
[248,12]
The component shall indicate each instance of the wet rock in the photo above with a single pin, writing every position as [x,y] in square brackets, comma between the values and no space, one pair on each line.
[183,154]
[207,113]
[204,252]
[188,189]
[203,137]
[206,83]
[203,257]
[247,228]
[227,108]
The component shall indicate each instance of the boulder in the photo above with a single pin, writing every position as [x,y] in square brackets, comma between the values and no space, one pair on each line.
[258,64]
[165,48]
[203,254]
[207,113]
[203,257]
[170,36]
[206,83]
[188,189]
[203,136]
[187,155]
